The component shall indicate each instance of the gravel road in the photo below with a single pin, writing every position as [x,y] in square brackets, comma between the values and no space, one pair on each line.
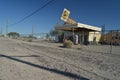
[21,60]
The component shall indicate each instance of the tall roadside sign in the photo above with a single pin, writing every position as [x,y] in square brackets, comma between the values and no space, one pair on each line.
[65,15]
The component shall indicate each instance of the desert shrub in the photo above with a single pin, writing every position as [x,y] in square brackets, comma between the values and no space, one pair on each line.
[68,44]
[24,39]
[29,40]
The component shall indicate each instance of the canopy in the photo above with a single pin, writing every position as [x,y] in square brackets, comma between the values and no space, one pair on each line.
[78,27]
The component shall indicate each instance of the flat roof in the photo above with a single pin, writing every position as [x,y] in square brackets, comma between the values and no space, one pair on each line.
[77,27]
[88,27]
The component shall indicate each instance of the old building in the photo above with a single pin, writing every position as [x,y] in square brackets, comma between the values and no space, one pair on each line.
[86,33]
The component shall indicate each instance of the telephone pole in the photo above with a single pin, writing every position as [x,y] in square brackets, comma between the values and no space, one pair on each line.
[32,30]
[6,27]
[1,31]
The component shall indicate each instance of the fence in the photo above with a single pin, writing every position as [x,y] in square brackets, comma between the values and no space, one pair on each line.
[110,37]
[108,43]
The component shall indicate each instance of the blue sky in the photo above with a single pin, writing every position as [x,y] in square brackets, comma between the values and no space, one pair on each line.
[91,12]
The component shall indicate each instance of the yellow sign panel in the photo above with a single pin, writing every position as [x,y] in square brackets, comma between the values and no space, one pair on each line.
[71,21]
[65,15]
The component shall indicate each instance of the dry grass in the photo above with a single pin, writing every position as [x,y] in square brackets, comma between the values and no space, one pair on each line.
[68,44]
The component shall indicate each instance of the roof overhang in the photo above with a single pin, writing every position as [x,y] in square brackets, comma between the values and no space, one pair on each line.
[77,27]
[88,27]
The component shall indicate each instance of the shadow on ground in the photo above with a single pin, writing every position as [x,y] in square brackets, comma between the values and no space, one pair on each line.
[67,74]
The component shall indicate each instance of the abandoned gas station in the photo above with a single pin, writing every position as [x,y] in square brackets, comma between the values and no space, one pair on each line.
[85,33]
[77,32]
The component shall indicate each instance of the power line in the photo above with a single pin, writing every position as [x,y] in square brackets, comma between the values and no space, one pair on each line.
[32,13]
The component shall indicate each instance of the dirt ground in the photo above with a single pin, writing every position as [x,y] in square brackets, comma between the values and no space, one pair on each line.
[39,60]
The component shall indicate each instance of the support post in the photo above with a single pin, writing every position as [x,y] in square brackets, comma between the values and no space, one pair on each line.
[73,33]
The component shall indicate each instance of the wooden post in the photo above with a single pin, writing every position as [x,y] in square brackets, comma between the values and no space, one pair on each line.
[73,33]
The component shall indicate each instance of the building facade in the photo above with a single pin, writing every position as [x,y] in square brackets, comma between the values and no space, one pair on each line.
[85,33]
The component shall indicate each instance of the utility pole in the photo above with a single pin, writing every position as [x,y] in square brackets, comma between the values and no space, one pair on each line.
[6,27]
[103,29]
[103,33]
[1,31]
[32,30]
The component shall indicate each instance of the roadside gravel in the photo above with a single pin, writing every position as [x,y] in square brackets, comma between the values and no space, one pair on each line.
[52,62]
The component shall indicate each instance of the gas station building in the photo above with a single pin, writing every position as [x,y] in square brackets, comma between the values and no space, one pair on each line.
[86,33]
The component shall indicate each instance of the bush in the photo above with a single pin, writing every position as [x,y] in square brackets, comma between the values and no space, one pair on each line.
[29,40]
[68,44]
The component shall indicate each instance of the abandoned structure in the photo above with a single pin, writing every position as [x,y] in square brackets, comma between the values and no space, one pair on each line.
[77,32]
[112,37]
[85,34]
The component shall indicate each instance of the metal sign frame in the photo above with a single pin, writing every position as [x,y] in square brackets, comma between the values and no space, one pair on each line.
[65,15]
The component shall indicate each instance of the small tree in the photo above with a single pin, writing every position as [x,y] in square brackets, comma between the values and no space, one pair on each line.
[56,32]
[13,34]
[30,36]
[47,35]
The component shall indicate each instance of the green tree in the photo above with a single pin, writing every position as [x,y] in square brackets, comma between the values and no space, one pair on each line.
[47,35]
[13,34]
[56,32]
[32,37]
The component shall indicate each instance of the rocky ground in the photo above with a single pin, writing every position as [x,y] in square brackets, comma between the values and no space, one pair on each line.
[39,60]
